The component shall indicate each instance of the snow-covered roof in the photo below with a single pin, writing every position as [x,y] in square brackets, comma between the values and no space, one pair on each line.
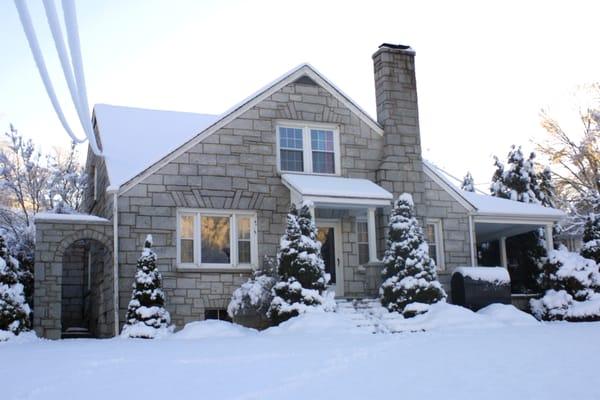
[164,135]
[49,216]
[489,206]
[135,138]
[318,186]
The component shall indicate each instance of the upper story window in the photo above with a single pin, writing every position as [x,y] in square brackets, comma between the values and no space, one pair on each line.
[216,238]
[308,149]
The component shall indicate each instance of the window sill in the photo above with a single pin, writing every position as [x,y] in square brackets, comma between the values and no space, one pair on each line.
[193,268]
[280,172]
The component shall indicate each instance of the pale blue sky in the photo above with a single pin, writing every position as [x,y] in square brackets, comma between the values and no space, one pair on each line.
[484,69]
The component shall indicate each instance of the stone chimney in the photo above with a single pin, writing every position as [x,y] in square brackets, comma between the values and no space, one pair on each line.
[401,168]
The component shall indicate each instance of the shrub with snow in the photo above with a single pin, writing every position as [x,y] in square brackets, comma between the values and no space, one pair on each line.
[147,317]
[301,269]
[572,283]
[14,310]
[591,238]
[409,275]
[250,303]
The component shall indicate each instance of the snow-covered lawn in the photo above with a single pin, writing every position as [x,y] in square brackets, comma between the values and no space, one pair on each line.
[498,353]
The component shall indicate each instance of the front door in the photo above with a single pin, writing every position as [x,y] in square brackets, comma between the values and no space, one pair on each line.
[329,235]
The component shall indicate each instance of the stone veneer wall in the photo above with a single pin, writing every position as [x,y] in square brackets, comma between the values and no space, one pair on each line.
[455,227]
[235,168]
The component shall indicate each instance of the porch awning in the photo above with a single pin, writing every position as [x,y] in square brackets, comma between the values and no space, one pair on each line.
[335,190]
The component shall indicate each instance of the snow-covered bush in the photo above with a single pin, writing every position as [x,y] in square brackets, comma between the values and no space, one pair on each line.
[14,310]
[572,283]
[409,275]
[561,306]
[250,303]
[301,269]
[568,271]
[591,238]
[147,317]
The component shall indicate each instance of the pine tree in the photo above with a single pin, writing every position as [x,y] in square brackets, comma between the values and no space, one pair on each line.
[468,185]
[147,317]
[300,266]
[520,182]
[409,274]
[546,192]
[14,311]
[591,238]
[498,188]
[517,182]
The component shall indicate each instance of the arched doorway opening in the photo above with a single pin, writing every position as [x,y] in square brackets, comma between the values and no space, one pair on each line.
[86,290]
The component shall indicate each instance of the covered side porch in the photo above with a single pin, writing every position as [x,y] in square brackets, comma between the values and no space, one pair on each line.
[506,233]
[348,214]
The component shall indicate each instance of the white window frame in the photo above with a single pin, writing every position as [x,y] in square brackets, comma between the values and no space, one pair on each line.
[233,238]
[438,231]
[307,146]
[363,220]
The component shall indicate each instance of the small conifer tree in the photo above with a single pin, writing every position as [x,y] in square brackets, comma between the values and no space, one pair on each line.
[468,185]
[147,317]
[300,267]
[14,310]
[409,274]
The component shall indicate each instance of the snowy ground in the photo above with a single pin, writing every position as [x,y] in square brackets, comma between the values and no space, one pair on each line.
[496,354]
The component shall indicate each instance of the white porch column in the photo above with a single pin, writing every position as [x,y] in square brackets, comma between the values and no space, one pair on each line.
[503,256]
[549,239]
[372,235]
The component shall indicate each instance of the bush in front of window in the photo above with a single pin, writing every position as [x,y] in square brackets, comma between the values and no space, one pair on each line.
[409,277]
[250,303]
[147,317]
[301,269]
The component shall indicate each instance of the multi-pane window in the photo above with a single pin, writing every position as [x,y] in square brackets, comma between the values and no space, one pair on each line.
[433,232]
[308,149]
[323,154]
[291,149]
[215,238]
[362,238]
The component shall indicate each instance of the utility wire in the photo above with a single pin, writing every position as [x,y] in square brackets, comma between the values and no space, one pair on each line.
[74,76]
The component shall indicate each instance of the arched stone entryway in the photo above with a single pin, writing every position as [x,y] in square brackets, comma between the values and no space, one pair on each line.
[63,239]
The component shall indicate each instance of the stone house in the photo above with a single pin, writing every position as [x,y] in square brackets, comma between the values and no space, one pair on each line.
[214,192]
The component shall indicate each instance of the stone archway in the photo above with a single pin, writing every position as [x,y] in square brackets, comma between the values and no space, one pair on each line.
[55,234]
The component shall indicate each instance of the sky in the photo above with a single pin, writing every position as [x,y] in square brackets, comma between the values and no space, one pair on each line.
[484,68]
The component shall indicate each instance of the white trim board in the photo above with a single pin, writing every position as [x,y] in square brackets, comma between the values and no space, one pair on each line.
[245,105]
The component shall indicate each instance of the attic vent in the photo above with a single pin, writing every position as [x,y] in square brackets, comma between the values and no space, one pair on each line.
[305,80]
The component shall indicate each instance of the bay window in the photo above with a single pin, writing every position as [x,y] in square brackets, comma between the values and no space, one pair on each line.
[216,238]
[308,149]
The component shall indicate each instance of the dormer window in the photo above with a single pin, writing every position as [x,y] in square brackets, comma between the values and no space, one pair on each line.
[310,149]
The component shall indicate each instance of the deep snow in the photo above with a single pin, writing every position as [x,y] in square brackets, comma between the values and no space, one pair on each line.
[498,353]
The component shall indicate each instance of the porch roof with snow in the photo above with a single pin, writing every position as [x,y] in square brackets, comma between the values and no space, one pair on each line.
[335,190]
[486,207]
